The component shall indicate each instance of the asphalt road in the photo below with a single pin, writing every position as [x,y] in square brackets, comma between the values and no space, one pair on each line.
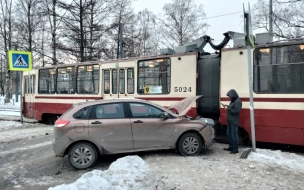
[31,164]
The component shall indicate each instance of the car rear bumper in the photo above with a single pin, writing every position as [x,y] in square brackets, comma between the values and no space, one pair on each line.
[60,144]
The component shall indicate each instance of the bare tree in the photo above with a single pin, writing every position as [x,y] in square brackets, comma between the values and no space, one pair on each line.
[26,24]
[182,22]
[146,21]
[288,18]
[84,25]
[2,74]
[6,34]
[122,14]
[49,11]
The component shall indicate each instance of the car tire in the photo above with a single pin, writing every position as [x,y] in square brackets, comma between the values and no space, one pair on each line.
[82,155]
[190,144]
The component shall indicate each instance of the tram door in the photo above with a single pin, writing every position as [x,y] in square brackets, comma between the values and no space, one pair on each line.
[118,83]
[31,95]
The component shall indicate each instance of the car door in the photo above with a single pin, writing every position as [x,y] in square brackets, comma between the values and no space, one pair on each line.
[150,131]
[111,128]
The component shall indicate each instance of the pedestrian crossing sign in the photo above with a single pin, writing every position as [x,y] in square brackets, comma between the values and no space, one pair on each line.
[20,60]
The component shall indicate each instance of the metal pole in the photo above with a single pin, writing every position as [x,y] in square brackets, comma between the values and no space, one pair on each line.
[118,43]
[21,117]
[121,41]
[248,22]
[270,20]
[251,98]
[16,88]
[118,83]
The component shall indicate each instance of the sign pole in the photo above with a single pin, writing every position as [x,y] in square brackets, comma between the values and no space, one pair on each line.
[250,42]
[20,61]
[21,108]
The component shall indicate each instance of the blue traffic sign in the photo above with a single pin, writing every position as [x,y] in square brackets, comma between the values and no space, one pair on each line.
[20,60]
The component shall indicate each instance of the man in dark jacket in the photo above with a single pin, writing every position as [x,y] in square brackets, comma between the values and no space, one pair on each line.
[233,118]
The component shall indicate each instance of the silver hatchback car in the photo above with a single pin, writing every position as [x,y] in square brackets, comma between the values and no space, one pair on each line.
[92,128]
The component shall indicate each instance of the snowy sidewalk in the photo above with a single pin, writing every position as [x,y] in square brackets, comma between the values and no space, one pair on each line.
[12,113]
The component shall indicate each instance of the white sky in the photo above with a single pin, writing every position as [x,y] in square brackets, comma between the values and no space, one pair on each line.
[212,8]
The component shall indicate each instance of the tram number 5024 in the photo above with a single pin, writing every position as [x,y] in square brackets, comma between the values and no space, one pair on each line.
[182,89]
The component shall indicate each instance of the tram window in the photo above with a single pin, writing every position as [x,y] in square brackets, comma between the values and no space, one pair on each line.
[279,70]
[106,80]
[47,81]
[88,79]
[66,83]
[154,76]
[114,81]
[130,75]
[121,81]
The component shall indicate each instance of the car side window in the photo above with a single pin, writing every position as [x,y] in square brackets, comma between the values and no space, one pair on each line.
[83,113]
[109,111]
[145,111]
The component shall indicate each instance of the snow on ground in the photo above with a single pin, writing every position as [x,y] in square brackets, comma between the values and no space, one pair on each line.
[291,160]
[10,110]
[13,130]
[219,170]
[125,173]
[214,169]
[11,106]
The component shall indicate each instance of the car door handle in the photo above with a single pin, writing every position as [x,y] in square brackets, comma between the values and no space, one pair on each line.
[138,121]
[96,122]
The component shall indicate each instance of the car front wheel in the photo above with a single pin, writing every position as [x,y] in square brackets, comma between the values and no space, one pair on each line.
[190,144]
[82,155]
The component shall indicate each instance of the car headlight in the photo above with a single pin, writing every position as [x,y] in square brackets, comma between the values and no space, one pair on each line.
[207,120]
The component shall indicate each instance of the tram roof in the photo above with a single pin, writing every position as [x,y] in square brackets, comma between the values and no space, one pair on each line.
[273,44]
[121,60]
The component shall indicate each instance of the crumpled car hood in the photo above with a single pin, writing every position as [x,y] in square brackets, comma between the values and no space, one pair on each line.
[184,105]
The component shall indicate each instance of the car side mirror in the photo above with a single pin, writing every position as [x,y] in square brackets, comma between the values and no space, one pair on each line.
[165,115]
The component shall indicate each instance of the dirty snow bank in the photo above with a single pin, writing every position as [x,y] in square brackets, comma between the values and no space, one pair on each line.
[126,173]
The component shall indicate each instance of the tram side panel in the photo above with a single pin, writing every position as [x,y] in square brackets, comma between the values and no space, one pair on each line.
[184,76]
[278,117]
[180,76]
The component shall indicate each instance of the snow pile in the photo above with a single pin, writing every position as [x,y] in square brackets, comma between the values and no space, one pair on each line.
[293,161]
[126,173]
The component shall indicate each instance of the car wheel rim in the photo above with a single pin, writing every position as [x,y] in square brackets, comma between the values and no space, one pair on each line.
[82,156]
[190,145]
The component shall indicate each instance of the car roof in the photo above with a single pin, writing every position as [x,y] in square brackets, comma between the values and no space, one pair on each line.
[114,100]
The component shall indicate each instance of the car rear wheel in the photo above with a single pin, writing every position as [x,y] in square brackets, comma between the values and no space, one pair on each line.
[190,144]
[82,155]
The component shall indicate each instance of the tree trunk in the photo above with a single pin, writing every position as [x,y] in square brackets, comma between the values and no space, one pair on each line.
[82,59]
[54,32]
[8,45]
[7,85]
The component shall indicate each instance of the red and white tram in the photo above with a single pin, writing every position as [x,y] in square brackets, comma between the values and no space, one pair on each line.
[278,90]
